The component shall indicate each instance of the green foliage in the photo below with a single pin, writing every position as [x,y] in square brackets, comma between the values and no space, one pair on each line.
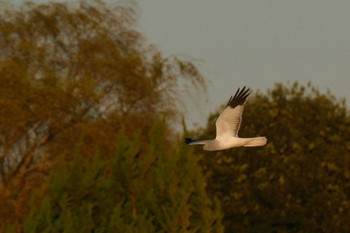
[142,188]
[298,182]
[71,69]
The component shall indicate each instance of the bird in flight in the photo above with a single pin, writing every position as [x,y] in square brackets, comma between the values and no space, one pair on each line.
[227,126]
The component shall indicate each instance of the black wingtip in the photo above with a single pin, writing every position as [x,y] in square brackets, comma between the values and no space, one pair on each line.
[189,140]
[239,97]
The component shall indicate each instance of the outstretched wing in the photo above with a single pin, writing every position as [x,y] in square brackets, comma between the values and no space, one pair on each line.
[229,121]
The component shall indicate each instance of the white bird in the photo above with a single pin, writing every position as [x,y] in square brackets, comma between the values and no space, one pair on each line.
[227,126]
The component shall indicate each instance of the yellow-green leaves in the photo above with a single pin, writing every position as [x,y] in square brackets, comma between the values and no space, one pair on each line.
[76,73]
[299,177]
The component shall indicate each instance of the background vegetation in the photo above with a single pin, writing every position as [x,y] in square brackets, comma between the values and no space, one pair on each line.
[87,142]
[299,182]
[72,79]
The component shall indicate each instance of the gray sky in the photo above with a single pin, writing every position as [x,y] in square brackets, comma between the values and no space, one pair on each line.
[254,42]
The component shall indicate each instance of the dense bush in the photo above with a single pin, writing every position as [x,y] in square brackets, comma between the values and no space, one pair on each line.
[160,188]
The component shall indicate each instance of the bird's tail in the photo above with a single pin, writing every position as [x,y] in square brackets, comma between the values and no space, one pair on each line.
[258,141]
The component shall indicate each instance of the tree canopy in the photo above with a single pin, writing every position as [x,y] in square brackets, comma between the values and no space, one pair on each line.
[76,74]
[158,189]
[298,182]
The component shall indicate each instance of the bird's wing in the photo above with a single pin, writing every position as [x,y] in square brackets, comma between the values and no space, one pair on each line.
[229,121]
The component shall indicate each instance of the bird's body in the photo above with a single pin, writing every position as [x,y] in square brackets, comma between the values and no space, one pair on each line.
[227,126]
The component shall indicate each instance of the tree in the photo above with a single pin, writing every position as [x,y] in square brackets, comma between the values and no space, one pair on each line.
[157,189]
[299,182]
[68,71]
